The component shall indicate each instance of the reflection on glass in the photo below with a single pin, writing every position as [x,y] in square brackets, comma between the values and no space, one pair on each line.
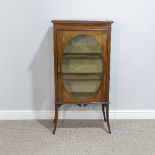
[82,66]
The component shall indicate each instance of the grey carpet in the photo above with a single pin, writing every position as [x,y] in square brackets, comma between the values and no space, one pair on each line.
[77,137]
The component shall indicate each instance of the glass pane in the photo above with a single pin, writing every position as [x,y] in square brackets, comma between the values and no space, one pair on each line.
[82,66]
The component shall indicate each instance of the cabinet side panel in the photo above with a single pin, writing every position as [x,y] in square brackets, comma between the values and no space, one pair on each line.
[108,57]
[55,64]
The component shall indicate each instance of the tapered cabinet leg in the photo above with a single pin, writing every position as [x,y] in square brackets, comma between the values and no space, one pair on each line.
[103,109]
[56,118]
[107,116]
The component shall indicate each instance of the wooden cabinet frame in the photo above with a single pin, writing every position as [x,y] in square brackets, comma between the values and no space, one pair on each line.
[65,30]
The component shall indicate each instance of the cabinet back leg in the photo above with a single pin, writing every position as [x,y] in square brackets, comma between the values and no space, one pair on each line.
[56,118]
[103,110]
[107,116]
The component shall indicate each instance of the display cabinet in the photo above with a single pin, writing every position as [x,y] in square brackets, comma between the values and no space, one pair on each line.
[82,64]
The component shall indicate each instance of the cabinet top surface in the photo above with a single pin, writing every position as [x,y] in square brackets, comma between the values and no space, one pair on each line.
[83,21]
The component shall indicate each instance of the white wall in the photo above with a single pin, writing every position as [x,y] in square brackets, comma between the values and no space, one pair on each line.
[26,59]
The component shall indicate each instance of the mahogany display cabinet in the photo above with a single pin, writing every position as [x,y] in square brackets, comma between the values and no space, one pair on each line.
[82,64]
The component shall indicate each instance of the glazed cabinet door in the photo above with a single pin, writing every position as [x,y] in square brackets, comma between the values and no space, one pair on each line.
[82,65]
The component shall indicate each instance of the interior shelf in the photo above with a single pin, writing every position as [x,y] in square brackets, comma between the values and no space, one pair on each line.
[82,55]
[76,79]
[92,73]
[82,94]
[83,51]
[82,76]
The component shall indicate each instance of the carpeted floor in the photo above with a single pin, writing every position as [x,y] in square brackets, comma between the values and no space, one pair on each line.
[77,137]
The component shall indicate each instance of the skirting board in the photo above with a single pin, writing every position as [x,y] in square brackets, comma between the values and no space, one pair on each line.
[114,114]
